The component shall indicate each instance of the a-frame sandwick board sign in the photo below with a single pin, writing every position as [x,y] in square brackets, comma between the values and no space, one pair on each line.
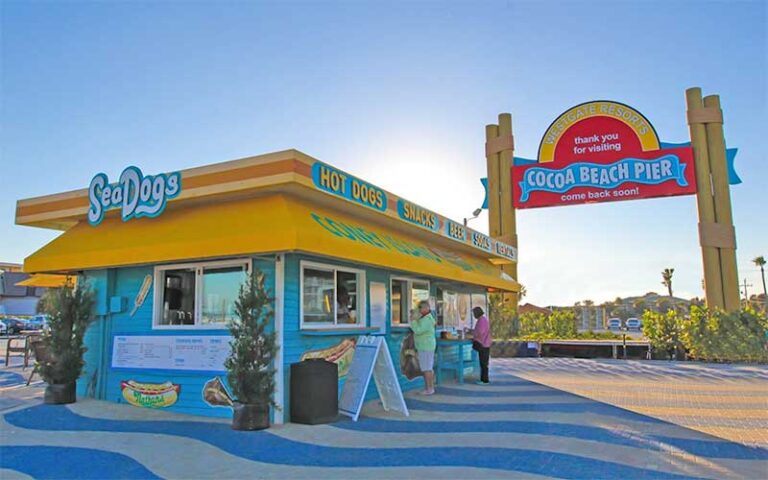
[371,359]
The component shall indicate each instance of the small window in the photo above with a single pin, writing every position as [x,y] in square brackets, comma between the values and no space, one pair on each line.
[198,295]
[178,297]
[331,296]
[221,286]
[405,295]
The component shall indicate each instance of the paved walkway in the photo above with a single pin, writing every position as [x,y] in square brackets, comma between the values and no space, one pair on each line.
[727,401]
[518,428]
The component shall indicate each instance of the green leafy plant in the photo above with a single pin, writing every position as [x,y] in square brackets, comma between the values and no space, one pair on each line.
[70,312]
[664,332]
[538,326]
[502,317]
[714,335]
[250,367]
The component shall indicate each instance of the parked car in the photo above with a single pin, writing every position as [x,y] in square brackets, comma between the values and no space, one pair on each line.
[3,328]
[14,325]
[38,322]
[634,324]
[614,324]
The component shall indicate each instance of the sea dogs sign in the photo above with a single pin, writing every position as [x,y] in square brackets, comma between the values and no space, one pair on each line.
[601,152]
[135,194]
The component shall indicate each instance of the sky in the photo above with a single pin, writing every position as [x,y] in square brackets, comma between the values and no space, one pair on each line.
[398,94]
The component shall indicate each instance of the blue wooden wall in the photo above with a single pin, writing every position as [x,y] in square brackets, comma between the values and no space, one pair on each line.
[101,381]
[296,342]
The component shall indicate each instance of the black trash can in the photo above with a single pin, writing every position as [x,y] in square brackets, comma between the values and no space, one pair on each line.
[314,392]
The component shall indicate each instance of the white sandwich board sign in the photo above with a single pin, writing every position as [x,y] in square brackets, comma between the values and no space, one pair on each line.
[371,359]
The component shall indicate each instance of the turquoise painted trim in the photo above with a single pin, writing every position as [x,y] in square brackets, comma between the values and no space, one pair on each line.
[432,217]
[540,179]
[484,181]
[455,231]
[730,159]
[176,373]
[519,161]
[346,186]
[338,332]
[481,241]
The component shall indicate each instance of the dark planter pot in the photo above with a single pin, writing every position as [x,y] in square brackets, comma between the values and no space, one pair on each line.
[250,417]
[60,393]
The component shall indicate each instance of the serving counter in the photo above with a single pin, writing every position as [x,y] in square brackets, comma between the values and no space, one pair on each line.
[454,355]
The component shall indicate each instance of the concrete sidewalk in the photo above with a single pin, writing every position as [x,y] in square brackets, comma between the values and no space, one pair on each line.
[514,428]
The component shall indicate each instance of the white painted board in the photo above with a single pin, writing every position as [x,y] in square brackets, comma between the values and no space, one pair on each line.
[378,302]
[359,376]
[386,382]
[171,352]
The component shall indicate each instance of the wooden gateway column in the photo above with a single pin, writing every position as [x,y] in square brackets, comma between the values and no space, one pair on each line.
[717,234]
[499,149]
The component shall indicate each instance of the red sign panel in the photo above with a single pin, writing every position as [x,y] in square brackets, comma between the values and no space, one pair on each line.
[603,178]
[602,151]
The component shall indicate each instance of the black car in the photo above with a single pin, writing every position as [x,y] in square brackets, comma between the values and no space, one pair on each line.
[14,325]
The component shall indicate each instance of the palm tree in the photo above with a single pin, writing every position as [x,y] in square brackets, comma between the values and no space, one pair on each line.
[760,262]
[523,292]
[666,274]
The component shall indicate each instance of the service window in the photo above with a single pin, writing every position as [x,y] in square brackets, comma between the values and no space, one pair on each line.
[450,310]
[405,295]
[479,300]
[331,296]
[198,295]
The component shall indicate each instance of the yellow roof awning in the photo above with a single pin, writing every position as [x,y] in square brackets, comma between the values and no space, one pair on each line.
[47,281]
[257,225]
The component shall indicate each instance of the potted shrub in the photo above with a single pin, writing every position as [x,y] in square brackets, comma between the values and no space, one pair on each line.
[250,369]
[70,311]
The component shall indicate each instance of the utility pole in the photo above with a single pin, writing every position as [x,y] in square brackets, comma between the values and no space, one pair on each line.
[745,285]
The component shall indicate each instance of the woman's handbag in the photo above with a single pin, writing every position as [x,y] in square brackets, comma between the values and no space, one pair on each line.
[409,359]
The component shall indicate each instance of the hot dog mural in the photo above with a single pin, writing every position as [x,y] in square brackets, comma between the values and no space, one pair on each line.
[150,395]
[341,354]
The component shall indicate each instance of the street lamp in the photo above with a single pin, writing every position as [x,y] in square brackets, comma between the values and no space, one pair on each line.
[624,329]
[475,214]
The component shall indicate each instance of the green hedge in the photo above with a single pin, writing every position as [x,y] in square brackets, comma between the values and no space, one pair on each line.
[709,335]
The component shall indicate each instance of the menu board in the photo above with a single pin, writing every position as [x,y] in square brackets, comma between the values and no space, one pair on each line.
[171,352]
[371,351]
[358,378]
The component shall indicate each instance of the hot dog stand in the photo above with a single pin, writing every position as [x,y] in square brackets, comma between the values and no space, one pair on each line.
[165,254]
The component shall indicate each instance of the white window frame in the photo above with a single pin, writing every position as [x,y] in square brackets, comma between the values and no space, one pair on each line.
[200,267]
[409,283]
[362,286]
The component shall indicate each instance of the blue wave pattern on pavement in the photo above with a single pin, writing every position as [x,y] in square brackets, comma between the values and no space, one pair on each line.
[563,407]
[485,393]
[70,462]
[8,379]
[702,448]
[266,447]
